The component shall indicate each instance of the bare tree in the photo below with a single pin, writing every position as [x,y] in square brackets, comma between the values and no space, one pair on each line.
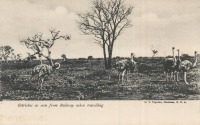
[154,51]
[38,44]
[5,52]
[106,21]
[64,57]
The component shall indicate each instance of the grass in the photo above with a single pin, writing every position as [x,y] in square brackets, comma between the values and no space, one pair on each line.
[88,80]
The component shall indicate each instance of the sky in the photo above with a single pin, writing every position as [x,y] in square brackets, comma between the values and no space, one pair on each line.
[158,24]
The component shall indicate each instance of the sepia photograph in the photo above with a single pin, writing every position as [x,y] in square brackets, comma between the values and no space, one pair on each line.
[99,50]
[99,62]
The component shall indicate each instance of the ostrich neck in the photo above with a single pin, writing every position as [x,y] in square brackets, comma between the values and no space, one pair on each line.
[195,62]
[173,55]
[178,55]
[132,58]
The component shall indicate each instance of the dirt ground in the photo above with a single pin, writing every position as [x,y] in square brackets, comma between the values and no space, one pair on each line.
[82,79]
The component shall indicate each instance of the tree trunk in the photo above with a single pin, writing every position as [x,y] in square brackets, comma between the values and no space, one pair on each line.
[49,58]
[110,59]
[50,61]
[104,54]
[6,60]
[110,50]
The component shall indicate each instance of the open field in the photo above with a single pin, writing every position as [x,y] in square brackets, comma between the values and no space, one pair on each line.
[88,80]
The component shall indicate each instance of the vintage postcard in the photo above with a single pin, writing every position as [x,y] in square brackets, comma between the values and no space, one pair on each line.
[118,62]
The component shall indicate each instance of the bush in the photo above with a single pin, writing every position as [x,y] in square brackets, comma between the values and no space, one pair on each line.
[117,57]
[81,58]
[185,55]
[90,57]
[169,56]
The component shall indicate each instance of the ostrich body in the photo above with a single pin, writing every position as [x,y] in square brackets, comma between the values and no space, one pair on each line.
[122,67]
[125,66]
[43,70]
[169,66]
[132,64]
[186,65]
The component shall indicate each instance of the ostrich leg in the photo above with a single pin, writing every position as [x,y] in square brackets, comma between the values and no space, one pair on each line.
[185,77]
[123,74]
[127,74]
[177,76]
[119,77]
[171,76]
[167,76]
[40,83]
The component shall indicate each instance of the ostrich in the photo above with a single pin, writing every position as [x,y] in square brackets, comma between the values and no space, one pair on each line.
[126,66]
[42,70]
[122,68]
[177,66]
[132,64]
[186,65]
[169,66]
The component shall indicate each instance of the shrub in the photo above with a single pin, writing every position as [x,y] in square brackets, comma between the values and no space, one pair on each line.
[185,55]
[81,58]
[169,56]
[90,57]
[117,57]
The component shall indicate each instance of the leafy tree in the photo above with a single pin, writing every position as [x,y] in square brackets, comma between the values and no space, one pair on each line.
[5,52]
[106,21]
[64,57]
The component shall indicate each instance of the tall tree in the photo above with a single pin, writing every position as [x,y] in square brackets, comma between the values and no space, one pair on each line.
[38,44]
[106,21]
[5,52]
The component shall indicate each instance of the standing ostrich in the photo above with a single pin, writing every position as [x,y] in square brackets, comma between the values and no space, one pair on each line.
[43,70]
[132,64]
[177,66]
[122,69]
[169,66]
[186,65]
[126,66]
